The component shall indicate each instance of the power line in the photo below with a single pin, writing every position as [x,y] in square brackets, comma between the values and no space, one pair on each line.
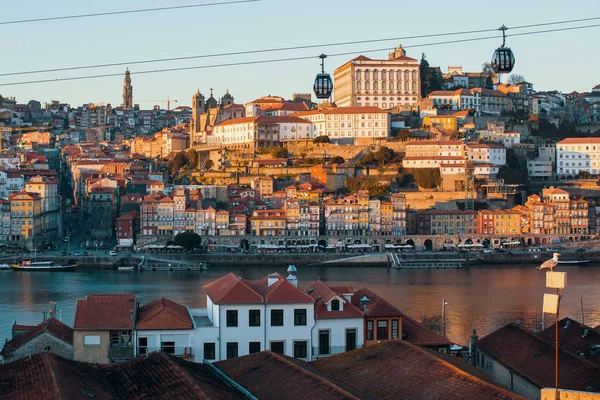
[278,49]
[141,10]
[269,61]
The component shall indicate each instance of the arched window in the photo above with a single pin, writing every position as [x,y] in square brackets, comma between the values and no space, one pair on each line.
[357,85]
[375,85]
[391,85]
[405,75]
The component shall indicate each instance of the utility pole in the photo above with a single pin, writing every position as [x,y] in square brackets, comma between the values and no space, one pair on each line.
[444,304]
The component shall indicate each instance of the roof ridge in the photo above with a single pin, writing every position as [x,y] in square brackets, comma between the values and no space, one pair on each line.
[49,360]
[182,371]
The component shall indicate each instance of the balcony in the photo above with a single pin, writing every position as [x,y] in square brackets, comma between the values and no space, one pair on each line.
[173,350]
[120,352]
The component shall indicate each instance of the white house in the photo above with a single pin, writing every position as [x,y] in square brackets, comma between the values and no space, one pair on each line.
[166,326]
[338,322]
[574,155]
[272,313]
[487,153]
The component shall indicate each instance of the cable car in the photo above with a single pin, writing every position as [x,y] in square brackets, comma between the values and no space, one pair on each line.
[323,86]
[503,60]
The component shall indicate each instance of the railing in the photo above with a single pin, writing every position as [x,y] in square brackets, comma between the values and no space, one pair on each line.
[176,351]
[333,350]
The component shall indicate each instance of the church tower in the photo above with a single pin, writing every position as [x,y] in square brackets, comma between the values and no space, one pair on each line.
[198,107]
[127,91]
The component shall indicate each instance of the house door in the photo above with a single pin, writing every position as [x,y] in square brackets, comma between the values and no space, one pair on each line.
[350,339]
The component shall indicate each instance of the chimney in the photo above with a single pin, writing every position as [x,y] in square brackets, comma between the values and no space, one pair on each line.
[364,302]
[474,339]
[291,277]
[272,278]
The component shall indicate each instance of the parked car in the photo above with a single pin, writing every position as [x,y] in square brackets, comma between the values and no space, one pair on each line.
[112,253]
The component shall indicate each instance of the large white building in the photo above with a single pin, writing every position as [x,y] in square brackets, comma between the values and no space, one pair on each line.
[457,100]
[487,153]
[261,130]
[381,83]
[574,155]
[347,124]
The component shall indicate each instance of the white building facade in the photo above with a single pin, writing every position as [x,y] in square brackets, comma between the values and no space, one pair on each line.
[394,82]
[576,155]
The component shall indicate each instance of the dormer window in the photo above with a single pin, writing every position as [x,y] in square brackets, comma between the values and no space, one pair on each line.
[335,305]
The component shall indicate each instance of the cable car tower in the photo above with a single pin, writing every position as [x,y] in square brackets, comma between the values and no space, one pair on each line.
[503,60]
[323,86]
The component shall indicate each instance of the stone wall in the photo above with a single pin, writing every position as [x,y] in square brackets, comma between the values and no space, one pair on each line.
[39,345]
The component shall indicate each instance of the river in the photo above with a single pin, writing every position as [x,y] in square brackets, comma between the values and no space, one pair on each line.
[481,297]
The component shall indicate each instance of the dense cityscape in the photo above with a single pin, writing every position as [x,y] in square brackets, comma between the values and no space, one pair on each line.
[389,164]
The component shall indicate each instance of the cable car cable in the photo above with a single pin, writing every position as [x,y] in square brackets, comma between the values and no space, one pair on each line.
[301,47]
[288,58]
[141,10]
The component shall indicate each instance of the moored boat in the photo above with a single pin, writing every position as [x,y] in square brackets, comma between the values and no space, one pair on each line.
[572,262]
[47,266]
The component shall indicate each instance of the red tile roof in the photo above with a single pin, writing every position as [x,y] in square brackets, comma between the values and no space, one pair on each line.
[533,358]
[418,334]
[105,311]
[575,338]
[399,370]
[325,294]
[377,307]
[281,291]
[51,326]
[160,376]
[271,376]
[231,290]
[164,314]
[592,140]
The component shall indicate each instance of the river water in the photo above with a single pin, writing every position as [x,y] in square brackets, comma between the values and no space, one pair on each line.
[482,297]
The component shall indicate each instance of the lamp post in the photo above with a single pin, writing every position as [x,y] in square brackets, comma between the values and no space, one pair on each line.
[444,304]
[558,281]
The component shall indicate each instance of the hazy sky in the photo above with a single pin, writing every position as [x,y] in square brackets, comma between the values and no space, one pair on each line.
[564,61]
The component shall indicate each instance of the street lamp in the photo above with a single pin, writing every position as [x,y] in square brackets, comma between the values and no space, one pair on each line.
[444,304]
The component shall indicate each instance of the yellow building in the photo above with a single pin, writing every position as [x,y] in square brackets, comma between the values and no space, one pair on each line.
[507,222]
[25,212]
[440,122]
[268,223]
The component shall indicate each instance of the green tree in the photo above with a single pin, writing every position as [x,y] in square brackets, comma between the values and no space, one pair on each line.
[375,188]
[188,240]
[430,79]
[177,162]
[280,152]
[384,155]
[487,70]
[321,139]
[337,160]
[427,178]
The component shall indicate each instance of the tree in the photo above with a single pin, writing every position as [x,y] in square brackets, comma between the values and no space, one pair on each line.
[321,139]
[430,79]
[188,240]
[375,188]
[427,178]
[513,79]
[487,70]
[433,322]
[337,160]
[208,164]
[177,162]
[280,152]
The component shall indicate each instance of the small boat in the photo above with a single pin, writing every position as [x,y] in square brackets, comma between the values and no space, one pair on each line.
[573,262]
[4,266]
[47,266]
[125,268]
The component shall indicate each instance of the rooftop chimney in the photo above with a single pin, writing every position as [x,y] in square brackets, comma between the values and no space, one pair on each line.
[474,339]
[272,278]
[291,277]
[364,302]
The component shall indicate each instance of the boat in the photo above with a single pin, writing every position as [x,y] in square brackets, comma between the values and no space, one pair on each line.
[4,266]
[126,268]
[47,266]
[573,262]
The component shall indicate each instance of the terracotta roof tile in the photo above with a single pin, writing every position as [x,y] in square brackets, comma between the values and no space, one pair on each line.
[287,379]
[377,307]
[324,294]
[52,326]
[533,358]
[105,311]
[164,314]
[575,338]
[397,369]
[418,334]
[232,290]
[281,291]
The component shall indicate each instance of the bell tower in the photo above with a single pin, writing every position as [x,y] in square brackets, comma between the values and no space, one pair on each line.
[127,91]
[198,105]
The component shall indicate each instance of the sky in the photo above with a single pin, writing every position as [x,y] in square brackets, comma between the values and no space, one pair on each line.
[563,61]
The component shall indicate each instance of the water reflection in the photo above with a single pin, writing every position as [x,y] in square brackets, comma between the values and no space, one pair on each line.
[480,297]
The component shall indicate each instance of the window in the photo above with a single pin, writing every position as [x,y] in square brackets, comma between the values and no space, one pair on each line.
[382,330]
[369,330]
[91,340]
[299,317]
[335,305]
[300,349]
[209,351]
[323,342]
[115,338]
[254,317]
[143,345]
[232,349]
[276,317]
[232,318]
[167,347]
[253,347]
[395,329]
[277,347]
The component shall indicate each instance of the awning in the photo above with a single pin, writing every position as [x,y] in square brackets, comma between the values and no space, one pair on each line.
[449,245]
